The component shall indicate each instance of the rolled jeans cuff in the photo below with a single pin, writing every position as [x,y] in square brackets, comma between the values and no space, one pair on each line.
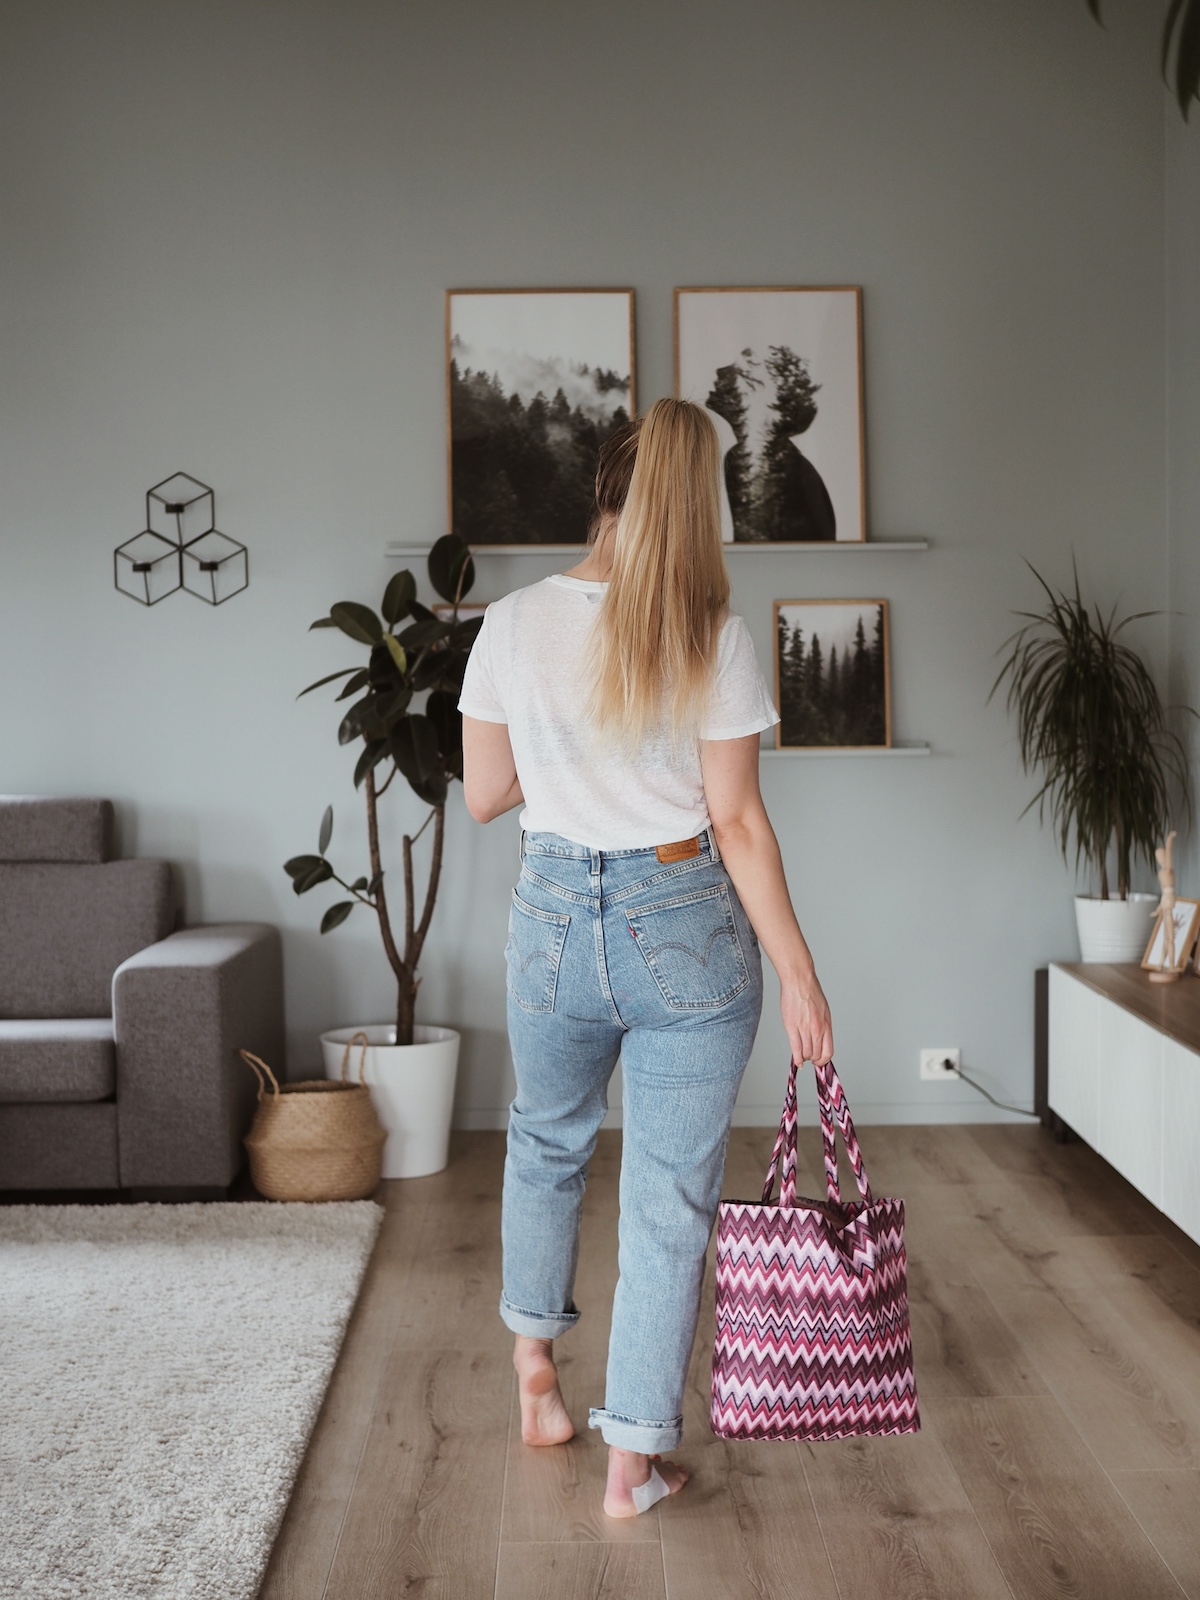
[537,1324]
[635,1433]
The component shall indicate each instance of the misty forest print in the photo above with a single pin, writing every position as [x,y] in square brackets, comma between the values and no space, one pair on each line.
[538,381]
[832,673]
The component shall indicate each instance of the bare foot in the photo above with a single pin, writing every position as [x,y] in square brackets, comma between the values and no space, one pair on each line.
[627,1469]
[544,1418]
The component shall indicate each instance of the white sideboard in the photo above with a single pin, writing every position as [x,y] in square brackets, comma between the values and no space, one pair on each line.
[1124,1073]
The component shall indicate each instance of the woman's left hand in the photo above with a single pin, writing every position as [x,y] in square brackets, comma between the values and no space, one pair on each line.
[806,1018]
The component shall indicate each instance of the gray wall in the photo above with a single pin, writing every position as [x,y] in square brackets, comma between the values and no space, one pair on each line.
[227,228]
[1183,450]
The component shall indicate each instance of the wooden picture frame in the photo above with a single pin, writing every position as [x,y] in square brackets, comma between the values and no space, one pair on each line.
[1187,927]
[536,380]
[757,359]
[466,612]
[834,712]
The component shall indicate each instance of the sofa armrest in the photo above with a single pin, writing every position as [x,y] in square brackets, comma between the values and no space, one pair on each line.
[181,1010]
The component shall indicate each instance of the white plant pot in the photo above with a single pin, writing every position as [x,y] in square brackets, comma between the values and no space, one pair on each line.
[1114,930]
[412,1086]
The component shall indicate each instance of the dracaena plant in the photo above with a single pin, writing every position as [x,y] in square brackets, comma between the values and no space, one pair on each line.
[1089,716]
[1180,49]
[410,652]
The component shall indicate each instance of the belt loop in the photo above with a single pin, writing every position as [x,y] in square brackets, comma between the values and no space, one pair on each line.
[712,842]
[595,863]
[521,847]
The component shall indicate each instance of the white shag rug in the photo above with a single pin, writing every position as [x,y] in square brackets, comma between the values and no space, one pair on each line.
[161,1368]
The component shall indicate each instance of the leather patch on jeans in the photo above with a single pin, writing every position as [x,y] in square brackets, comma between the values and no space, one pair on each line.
[683,851]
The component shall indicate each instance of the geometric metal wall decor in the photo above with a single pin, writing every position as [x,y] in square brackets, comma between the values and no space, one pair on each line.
[181,548]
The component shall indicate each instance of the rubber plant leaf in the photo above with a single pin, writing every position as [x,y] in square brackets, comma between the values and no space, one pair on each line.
[396,649]
[398,597]
[301,866]
[358,621]
[321,682]
[336,915]
[451,569]
[373,753]
[319,874]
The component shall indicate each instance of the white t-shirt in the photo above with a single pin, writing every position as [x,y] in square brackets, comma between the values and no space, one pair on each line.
[528,669]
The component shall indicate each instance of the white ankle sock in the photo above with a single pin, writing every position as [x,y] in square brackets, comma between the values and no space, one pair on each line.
[651,1492]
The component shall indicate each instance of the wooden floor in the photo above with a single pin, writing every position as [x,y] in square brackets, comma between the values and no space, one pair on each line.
[1056,1327]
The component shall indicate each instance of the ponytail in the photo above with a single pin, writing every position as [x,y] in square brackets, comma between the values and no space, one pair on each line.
[657,632]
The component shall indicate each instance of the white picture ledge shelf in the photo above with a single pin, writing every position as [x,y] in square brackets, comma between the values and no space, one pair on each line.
[398,549]
[874,751]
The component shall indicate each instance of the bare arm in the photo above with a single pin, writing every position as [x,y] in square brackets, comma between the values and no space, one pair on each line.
[490,780]
[750,851]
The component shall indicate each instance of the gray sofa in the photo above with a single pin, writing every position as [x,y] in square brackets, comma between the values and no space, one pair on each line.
[119,1036]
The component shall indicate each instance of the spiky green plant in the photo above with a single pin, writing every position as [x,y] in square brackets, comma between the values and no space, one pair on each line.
[1090,717]
[1180,49]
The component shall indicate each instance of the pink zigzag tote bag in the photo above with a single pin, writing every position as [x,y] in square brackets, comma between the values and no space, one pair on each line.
[813,1339]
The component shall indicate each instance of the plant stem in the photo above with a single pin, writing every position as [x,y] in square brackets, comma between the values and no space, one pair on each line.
[395,961]
[435,873]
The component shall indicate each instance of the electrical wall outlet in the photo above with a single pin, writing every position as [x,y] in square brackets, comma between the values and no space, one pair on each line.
[934,1063]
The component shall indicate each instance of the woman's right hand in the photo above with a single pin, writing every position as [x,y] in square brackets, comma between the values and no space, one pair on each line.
[807,1021]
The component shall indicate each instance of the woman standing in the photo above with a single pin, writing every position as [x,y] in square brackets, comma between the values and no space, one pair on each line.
[622,703]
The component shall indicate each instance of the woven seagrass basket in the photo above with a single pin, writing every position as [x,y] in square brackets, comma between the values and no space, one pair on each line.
[318,1140]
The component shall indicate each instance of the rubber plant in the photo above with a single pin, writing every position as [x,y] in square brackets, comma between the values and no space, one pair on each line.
[1180,49]
[427,655]
[1090,717]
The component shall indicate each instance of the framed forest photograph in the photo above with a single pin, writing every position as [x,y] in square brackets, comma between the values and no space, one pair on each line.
[538,379]
[780,373]
[832,679]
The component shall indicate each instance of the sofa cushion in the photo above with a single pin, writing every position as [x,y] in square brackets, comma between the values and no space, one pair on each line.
[65,929]
[69,1060]
[37,829]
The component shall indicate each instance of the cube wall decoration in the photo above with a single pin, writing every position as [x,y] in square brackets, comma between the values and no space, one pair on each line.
[181,547]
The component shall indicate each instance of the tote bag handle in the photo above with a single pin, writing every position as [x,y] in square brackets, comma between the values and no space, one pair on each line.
[833,1106]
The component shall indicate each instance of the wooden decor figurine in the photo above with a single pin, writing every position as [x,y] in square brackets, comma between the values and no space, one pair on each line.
[1167,972]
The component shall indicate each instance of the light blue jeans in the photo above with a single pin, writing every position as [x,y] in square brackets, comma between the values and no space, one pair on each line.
[614,953]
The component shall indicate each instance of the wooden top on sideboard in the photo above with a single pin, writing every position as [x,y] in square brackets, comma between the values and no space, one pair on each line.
[1172,1008]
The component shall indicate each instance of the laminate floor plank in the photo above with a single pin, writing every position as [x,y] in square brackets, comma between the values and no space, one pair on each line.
[904,1156]
[1130,1269]
[897,1522]
[1167,1504]
[580,1572]
[743,1527]
[424,1516]
[1056,1322]
[1130,1383]
[307,1539]
[454,1288]
[962,1344]
[1055,1522]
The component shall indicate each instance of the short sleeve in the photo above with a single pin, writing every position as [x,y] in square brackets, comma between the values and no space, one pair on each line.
[741,703]
[480,696]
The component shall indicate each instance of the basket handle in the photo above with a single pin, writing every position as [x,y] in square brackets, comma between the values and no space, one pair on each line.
[259,1066]
[357,1038]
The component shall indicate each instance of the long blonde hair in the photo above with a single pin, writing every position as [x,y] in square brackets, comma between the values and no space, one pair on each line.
[657,632]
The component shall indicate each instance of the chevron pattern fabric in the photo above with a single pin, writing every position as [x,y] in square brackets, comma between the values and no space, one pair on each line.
[813,1337]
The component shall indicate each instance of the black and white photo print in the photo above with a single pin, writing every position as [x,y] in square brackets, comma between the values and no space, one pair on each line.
[538,379]
[832,683]
[780,373]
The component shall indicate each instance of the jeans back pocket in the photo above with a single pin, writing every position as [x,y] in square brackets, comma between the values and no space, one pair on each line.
[533,954]
[691,945]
